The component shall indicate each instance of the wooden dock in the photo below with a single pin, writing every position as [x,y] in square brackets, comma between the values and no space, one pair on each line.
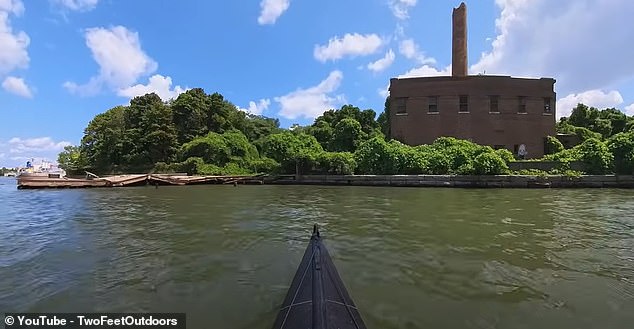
[92,180]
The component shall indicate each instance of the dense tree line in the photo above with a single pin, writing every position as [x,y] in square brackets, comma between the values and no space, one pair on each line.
[5,170]
[607,140]
[199,133]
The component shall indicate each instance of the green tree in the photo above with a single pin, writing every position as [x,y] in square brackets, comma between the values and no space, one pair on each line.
[153,130]
[596,156]
[583,116]
[102,146]
[621,146]
[189,110]
[347,135]
[336,163]
[384,118]
[323,132]
[617,119]
[257,127]
[211,148]
[70,159]
[291,150]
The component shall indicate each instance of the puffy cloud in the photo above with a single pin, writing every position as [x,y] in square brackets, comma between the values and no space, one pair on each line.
[312,102]
[351,45]
[121,60]
[629,110]
[14,45]
[421,71]
[582,43]
[595,98]
[426,71]
[382,63]
[18,150]
[17,86]
[18,145]
[158,84]
[77,5]
[257,108]
[271,10]
[15,7]
[400,8]
[410,50]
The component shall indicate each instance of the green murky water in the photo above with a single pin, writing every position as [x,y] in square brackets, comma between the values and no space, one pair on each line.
[410,257]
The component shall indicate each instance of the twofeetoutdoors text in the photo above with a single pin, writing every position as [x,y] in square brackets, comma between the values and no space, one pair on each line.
[95,320]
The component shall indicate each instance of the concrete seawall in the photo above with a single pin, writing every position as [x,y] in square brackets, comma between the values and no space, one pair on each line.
[507,181]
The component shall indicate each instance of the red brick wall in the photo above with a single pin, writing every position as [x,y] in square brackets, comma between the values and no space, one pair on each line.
[508,128]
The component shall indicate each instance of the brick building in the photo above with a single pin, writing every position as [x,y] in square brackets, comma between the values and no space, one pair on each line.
[499,111]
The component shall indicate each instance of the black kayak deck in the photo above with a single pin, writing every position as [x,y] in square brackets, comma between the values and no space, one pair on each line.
[317,297]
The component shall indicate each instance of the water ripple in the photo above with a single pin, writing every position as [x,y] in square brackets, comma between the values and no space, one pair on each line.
[411,258]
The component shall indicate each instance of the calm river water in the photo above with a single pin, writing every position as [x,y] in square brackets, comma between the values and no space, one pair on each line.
[410,257]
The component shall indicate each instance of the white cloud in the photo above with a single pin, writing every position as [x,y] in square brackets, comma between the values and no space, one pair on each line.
[629,110]
[426,71]
[272,10]
[350,45]
[400,8]
[257,108]
[158,84]
[18,150]
[313,101]
[417,72]
[13,44]
[17,86]
[594,98]
[78,5]
[384,92]
[15,7]
[410,50]
[382,63]
[121,60]
[583,43]
[35,145]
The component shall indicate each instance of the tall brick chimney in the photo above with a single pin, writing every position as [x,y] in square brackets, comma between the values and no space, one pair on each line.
[459,41]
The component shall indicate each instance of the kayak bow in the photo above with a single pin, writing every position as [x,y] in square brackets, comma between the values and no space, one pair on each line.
[317,298]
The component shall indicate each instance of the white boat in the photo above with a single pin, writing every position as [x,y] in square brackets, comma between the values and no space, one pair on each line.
[45,169]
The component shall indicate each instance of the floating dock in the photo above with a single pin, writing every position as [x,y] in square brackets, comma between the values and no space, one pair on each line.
[91,180]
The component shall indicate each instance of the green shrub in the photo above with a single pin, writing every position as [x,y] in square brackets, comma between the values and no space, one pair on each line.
[489,163]
[191,165]
[596,156]
[439,162]
[553,145]
[621,146]
[373,157]
[585,134]
[506,155]
[265,165]
[336,163]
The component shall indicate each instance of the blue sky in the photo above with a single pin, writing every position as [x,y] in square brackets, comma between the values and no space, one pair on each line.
[64,61]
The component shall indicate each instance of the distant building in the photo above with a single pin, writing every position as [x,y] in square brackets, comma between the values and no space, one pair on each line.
[499,111]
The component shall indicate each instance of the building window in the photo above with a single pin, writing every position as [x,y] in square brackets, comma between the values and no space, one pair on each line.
[400,105]
[432,102]
[464,104]
[547,105]
[493,104]
[498,147]
[521,102]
